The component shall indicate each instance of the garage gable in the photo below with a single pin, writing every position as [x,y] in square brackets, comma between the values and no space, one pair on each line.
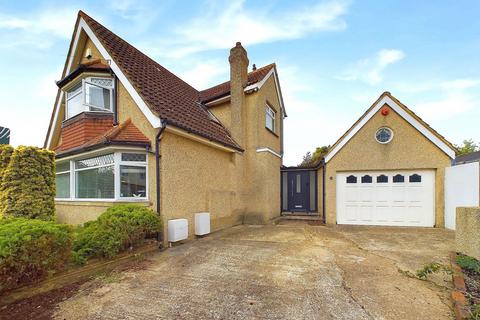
[386,99]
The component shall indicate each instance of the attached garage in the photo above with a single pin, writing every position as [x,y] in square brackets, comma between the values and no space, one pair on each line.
[388,198]
[387,169]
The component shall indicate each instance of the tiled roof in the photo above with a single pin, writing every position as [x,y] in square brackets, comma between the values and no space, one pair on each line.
[223,89]
[168,96]
[466,158]
[124,133]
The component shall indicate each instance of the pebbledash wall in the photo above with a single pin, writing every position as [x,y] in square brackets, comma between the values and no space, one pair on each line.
[467,235]
[196,177]
[409,149]
[233,187]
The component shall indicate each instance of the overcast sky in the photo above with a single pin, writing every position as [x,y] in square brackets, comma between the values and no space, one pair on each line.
[334,58]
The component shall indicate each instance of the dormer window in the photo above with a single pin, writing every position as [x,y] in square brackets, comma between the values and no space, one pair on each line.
[90,94]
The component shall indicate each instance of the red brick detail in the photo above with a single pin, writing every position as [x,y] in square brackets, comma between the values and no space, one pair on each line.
[459,283]
[126,132]
[460,302]
[82,128]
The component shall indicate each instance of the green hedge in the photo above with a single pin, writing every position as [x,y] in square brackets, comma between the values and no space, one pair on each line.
[5,154]
[31,249]
[28,185]
[118,228]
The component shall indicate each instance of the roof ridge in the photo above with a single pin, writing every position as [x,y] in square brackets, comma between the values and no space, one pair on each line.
[84,15]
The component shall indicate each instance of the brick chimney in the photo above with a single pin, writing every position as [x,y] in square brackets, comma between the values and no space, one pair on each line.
[238,81]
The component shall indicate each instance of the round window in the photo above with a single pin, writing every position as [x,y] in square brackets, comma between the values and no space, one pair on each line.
[384,135]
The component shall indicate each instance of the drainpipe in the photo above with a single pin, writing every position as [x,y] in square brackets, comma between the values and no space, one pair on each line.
[323,189]
[157,168]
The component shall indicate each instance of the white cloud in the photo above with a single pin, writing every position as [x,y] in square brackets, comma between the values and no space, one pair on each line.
[220,27]
[38,29]
[370,70]
[205,74]
[453,98]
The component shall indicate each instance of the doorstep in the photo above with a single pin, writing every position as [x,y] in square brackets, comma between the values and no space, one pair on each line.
[300,216]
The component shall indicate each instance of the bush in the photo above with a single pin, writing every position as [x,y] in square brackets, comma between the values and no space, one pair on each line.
[28,185]
[5,154]
[468,263]
[118,228]
[31,249]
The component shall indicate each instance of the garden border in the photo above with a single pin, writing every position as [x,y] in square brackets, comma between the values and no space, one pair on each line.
[460,302]
[64,278]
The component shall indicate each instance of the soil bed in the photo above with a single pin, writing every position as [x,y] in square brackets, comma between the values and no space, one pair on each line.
[43,306]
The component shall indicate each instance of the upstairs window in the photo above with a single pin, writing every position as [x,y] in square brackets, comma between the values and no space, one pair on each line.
[269,118]
[91,94]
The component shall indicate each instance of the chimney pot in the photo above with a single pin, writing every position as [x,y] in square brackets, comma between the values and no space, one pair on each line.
[254,67]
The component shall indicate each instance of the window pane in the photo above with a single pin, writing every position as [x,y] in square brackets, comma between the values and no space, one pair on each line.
[415,178]
[139,157]
[76,89]
[63,185]
[269,118]
[102,82]
[382,179]
[351,179]
[367,179]
[398,178]
[62,166]
[94,162]
[133,181]
[95,183]
[299,184]
[98,97]
[75,105]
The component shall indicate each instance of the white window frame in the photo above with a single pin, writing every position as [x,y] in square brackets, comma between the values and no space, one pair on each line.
[270,113]
[70,180]
[117,156]
[83,92]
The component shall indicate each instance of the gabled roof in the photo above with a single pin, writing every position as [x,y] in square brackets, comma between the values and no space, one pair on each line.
[223,89]
[125,133]
[165,94]
[405,113]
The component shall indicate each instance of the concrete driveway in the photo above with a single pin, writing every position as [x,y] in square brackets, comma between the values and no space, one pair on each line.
[287,271]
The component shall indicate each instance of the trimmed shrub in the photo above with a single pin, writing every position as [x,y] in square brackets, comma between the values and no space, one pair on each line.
[28,185]
[5,154]
[120,227]
[31,249]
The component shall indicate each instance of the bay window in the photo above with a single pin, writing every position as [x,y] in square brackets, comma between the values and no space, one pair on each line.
[62,179]
[113,176]
[90,94]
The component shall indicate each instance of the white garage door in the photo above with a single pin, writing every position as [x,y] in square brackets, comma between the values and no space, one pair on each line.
[391,198]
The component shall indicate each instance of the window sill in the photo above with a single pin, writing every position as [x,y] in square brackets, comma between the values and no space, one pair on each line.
[126,200]
[276,135]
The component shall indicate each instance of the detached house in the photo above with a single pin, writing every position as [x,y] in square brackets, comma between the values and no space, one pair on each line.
[125,129]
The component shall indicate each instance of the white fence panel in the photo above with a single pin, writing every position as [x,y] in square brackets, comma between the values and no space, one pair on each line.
[462,189]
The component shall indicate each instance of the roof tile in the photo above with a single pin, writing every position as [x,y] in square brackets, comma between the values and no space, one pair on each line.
[171,98]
